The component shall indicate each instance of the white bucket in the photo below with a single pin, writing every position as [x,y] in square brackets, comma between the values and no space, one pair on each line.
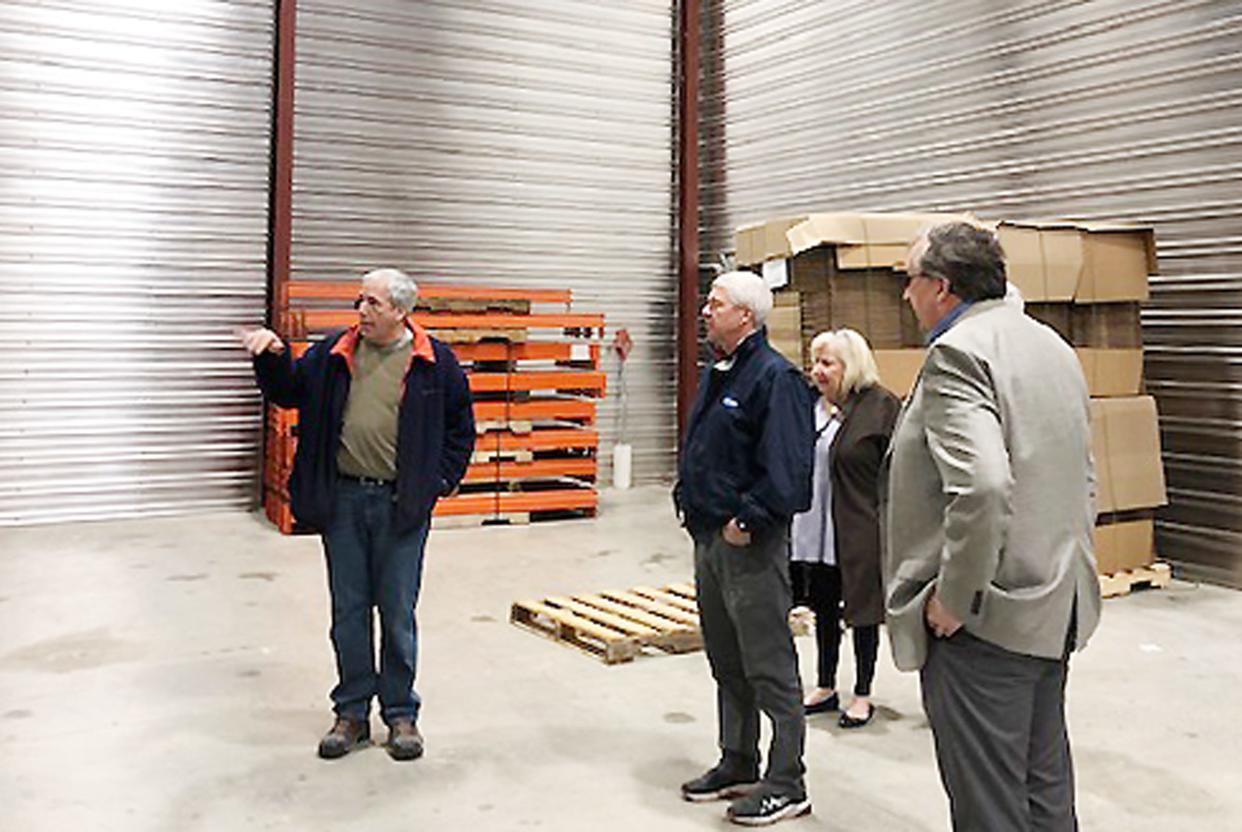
[622,461]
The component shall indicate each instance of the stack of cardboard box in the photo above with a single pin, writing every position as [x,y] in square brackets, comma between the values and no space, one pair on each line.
[1086,281]
[838,270]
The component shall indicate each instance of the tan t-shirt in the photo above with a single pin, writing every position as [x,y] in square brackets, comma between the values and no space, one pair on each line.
[369,436]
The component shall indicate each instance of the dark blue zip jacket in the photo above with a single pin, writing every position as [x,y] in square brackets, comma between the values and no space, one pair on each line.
[435,424]
[749,444]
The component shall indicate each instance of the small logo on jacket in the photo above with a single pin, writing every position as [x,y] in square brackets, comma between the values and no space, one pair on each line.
[729,401]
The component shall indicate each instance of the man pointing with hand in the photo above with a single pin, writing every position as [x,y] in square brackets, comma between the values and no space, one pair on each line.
[385,428]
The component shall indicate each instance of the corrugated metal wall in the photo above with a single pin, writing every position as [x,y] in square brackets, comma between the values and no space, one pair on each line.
[133,227]
[1105,109]
[514,142]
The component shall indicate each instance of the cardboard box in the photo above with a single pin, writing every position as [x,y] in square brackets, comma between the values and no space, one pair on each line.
[785,328]
[1056,315]
[1125,441]
[871,303]
[867,300]
[1125,545]
[762,241]
[1107,325]
[857,240]
[899,369]
[1078,262]
[1111,373]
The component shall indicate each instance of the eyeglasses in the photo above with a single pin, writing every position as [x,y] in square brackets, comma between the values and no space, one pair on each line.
[912,276]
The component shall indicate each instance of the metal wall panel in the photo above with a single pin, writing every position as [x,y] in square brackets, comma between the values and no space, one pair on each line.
[133,229]
[1106,109]
[524,143]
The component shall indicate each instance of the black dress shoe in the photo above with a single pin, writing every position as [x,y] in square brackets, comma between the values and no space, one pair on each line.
[847,721]
[832,703]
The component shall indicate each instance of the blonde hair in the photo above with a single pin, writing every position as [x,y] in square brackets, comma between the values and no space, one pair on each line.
[859,369]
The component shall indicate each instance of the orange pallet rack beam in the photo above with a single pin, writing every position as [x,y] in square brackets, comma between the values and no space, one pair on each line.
[343,291]
[493,411]
[501,351]
[569,499]
[532,410]
[542,439]
[463,504]
[559,500]
[533,380]
[542,469]
[529,351]
[315,320]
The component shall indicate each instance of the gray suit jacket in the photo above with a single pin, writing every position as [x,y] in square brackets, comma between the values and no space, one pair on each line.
[989,490]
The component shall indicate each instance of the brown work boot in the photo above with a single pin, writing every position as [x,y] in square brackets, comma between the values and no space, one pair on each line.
[404,741]
[345,735]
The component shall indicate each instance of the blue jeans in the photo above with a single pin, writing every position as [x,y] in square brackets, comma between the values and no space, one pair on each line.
[370,566]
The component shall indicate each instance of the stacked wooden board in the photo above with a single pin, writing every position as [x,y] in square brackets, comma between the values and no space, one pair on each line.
[535,375]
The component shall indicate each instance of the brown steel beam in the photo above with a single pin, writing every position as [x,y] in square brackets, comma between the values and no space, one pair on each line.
[280,220]
[687,210]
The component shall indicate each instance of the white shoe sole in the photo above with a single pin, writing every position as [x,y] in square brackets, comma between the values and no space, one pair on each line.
[793,810]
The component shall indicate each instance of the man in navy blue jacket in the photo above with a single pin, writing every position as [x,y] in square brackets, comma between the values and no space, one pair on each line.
[745,470]
[385,428]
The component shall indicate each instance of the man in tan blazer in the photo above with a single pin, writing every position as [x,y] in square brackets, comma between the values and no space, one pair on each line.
[988,563]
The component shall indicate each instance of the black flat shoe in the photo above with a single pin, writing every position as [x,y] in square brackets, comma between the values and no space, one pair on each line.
[847,721]
[832,703]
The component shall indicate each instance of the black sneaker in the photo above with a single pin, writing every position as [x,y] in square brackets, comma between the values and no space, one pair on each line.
[727,780]
[763,808]
[343,737]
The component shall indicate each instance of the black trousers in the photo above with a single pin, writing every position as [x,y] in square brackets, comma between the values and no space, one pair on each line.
[744,598]
[818,585]
[998,719]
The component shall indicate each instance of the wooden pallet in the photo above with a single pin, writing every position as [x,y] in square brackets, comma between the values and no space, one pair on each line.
[614,626]
[1155,576]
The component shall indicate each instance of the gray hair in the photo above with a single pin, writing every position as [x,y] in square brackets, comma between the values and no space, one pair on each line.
[402,290]
[969,257]
[747,289]
[860,370]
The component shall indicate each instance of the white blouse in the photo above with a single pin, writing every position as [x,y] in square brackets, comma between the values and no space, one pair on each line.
[811,537]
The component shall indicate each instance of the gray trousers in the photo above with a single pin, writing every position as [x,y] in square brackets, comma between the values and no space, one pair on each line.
[998,719]
[744,598]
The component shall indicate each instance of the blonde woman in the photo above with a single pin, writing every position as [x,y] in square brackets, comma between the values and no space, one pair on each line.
[836,544]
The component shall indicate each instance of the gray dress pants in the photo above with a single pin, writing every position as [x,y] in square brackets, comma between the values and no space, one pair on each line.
[998,719]
[744,598]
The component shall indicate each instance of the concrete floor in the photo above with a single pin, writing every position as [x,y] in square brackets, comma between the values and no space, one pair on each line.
[172,675]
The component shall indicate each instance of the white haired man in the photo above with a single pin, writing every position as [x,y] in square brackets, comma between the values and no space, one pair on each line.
[745,470]
[385,428]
